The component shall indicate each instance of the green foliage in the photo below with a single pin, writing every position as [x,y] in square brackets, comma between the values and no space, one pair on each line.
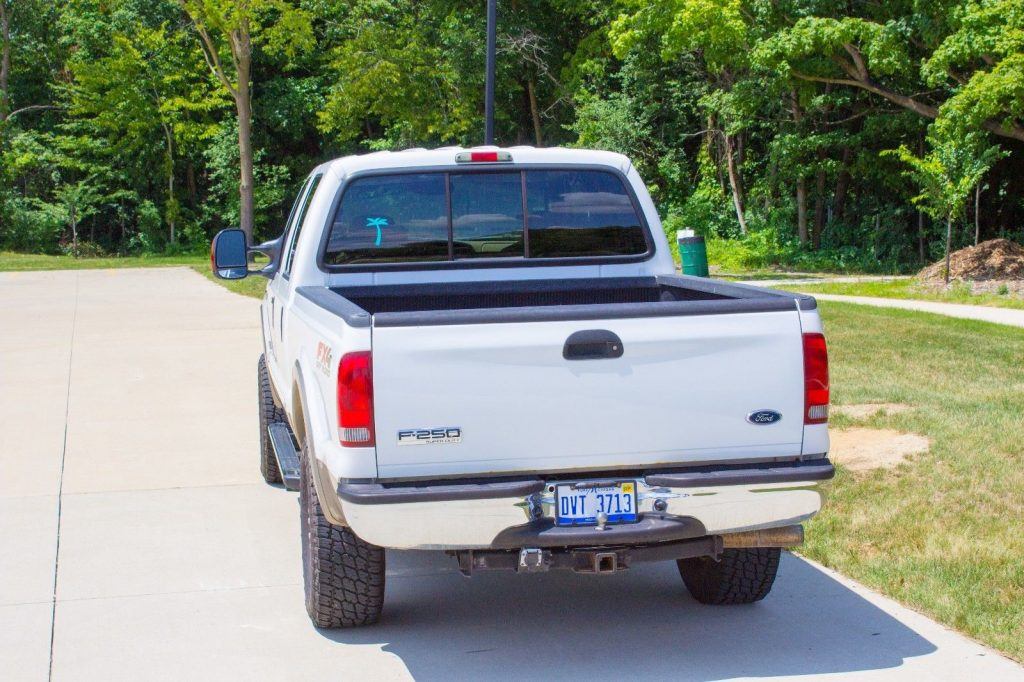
[949,173]
[730,109]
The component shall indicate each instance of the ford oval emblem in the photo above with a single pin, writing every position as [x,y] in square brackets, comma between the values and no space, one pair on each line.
[764,417]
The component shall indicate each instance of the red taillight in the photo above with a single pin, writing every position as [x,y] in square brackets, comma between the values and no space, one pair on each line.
[815,379]
[355,400]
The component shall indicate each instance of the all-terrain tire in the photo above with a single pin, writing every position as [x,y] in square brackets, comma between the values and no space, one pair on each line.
[343,574]
[269,413]
[740,576]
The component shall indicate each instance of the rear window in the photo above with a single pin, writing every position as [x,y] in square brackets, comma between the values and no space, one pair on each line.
[533,214]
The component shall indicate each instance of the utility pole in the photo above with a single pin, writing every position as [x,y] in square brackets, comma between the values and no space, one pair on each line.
[492,20]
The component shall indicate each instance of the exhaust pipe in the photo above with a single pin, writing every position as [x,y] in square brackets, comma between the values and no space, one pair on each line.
[786,536]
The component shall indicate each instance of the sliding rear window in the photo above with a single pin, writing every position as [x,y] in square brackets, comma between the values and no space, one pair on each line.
[525,214]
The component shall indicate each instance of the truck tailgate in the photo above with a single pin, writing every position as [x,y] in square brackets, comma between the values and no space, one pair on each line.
[680,393]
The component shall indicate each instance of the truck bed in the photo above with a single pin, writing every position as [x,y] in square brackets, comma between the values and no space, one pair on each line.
[544,300]
[578,375]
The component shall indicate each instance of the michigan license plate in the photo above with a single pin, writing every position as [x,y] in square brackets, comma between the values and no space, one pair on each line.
[579,506]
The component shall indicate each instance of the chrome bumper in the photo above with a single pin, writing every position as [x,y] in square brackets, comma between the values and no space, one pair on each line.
[512,514]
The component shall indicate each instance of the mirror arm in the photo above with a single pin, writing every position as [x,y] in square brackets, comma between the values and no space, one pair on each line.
[272,250]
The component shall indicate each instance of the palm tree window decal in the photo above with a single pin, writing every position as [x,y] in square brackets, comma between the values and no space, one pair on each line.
[378,224]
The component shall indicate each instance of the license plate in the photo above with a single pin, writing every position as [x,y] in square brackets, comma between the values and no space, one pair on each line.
[580,506]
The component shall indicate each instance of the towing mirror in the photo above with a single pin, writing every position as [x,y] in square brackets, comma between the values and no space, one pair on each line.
[229,255]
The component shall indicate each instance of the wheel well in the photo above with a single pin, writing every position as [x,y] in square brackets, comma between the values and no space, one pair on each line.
[298,416]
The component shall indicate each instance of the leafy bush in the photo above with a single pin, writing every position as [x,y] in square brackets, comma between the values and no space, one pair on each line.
[85,250]
[29,227]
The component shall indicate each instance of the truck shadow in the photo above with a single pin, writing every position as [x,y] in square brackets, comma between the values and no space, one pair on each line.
[640,623]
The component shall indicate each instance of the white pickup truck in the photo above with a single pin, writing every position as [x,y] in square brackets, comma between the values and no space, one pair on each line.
[489,352]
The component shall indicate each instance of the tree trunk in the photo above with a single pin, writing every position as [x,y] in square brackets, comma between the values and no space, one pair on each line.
[920,236]
[243,104]
[5,60]
[801,209]
[772,193]
[190,180]
[169,163]
[977,206]
[819,205]
[74,232]
[534,112]
[842,184]
[949,238]
[735,183]
[714,143]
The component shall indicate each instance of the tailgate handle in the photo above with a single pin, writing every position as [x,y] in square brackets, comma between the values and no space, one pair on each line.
[592,344]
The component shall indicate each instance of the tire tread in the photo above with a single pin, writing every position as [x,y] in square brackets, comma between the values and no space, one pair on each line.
[740,576]
[344,575]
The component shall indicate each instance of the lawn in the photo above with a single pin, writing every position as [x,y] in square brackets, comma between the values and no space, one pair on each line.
[941,533]
[253,285]
[910,288]
[10,260]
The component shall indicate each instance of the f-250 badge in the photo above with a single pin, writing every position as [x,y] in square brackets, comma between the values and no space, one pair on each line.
[435,436]
[323,358]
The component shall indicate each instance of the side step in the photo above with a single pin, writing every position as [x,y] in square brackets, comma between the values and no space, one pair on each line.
[286,454]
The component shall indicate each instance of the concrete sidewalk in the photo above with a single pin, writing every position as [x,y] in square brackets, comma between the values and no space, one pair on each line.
[1008,316]
[139,542]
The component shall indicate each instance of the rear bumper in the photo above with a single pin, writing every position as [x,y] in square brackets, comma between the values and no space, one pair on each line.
[519,513]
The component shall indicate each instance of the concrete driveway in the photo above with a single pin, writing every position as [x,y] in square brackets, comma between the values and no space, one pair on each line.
[138,542]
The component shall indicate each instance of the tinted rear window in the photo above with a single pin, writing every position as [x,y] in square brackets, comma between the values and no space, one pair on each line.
[413,217]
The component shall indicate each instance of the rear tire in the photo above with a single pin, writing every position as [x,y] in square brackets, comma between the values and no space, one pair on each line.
[740,576]
[343,575]
[269,413]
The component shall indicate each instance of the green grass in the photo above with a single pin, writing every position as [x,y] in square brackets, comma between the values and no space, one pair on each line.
[912,289]
[10,260]
[253,285]
[942,532]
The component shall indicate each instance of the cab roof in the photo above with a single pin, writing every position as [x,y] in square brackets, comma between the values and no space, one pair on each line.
[445,156]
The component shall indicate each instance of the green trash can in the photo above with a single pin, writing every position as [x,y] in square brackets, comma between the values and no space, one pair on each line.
[693,254]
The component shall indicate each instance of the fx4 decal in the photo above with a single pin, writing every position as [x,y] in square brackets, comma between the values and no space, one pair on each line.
[323,358]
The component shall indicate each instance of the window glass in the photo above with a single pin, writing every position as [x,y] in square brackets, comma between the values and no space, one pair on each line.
[581,213]
[286,234]
[487,215]
[390,218]
[409,217]
[300,218]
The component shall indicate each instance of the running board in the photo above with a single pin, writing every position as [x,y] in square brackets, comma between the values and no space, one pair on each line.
[284,451]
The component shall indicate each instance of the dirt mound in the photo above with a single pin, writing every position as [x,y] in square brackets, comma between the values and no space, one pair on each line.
[861,449]
[998,259]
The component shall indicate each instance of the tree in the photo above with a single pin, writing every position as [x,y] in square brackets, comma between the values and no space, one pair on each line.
[975,66]
[228,31]
[5,58]
[149,73]
[947,175]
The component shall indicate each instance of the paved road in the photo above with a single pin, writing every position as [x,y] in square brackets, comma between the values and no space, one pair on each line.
[971,312]
[139,543]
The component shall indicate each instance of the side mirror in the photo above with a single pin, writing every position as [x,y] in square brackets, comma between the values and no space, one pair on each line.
[229,255]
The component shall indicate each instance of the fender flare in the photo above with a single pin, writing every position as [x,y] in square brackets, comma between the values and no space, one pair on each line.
[303,430]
